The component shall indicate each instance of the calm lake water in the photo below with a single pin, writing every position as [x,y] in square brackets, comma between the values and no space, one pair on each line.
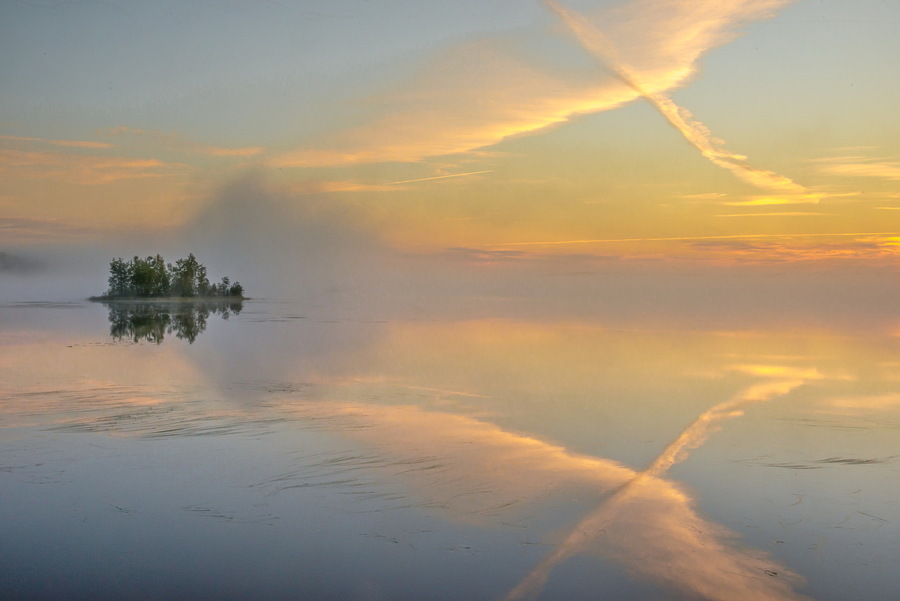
[297,451]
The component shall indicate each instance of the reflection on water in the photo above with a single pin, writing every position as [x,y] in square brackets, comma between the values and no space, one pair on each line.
[332,459]
[150,321]
[653,529]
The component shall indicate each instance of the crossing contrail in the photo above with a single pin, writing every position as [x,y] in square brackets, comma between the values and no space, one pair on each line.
[695,132]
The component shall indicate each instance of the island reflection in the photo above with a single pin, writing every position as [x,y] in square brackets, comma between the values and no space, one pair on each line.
[151,321]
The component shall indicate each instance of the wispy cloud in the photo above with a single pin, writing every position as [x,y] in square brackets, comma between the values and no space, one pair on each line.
[81,168]
[762,201]
[698,238]
[704,196]
[864,404]
[759,248]
[471,96]
[697,19]
[785,214]
[26,229]
[797,249]
[860,166]
[333,186]
[482,92]
[67,143]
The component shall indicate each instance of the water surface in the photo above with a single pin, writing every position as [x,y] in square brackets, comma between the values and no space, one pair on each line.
[303,451]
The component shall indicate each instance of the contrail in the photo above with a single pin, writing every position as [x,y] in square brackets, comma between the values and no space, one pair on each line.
[695,132]
[425,179]
[597,521]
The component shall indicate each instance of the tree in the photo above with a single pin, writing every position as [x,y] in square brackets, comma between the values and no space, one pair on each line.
[153,278]
[185,276]
[119,278]
[142,277]
[161,280]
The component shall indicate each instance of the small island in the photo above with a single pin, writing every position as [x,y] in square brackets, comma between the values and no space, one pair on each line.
[153,278]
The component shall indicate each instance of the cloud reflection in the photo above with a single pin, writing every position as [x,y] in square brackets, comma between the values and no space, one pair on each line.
[650,526]
[647,523]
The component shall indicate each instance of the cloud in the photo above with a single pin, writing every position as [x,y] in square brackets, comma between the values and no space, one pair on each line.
[66,143]
[80,168]
[704,196]
[765,201]
[31,229]
[700,23]
[332,186]
[859,166]
[799,248]
[785,214]
[482,92]
[864,404]
[471,96]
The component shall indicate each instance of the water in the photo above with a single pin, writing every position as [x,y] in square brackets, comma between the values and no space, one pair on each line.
[290,450]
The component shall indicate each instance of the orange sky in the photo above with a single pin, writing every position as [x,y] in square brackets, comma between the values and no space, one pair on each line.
[643,128]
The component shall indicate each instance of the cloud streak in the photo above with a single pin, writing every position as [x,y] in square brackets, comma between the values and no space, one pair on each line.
[81,168]
[698,238]
[695,132]
[65,143]
[857,166]
[485,91]
[471,96]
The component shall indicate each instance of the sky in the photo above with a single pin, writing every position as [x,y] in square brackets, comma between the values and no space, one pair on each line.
[556,136]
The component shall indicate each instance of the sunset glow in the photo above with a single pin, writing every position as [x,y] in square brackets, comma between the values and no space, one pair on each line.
[524,136]
[533,300]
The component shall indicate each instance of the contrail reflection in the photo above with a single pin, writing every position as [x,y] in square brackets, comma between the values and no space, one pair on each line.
[695,132]
[650,527]
[473,470]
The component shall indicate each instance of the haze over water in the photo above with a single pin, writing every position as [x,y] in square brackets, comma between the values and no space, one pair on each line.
[301,450]
[547,300]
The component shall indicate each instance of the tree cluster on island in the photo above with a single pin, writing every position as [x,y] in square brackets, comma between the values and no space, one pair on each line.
[154,278]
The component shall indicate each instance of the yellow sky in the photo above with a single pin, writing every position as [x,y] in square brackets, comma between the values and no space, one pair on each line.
[610,129]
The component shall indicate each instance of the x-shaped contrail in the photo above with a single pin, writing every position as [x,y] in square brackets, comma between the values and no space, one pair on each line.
[696,133]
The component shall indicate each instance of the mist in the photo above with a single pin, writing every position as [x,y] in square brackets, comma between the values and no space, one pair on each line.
[323,252]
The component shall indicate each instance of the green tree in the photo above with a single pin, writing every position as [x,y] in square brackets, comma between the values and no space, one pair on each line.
[119,278]
[161,281]
[142,276]
[185,275]
[153,277]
